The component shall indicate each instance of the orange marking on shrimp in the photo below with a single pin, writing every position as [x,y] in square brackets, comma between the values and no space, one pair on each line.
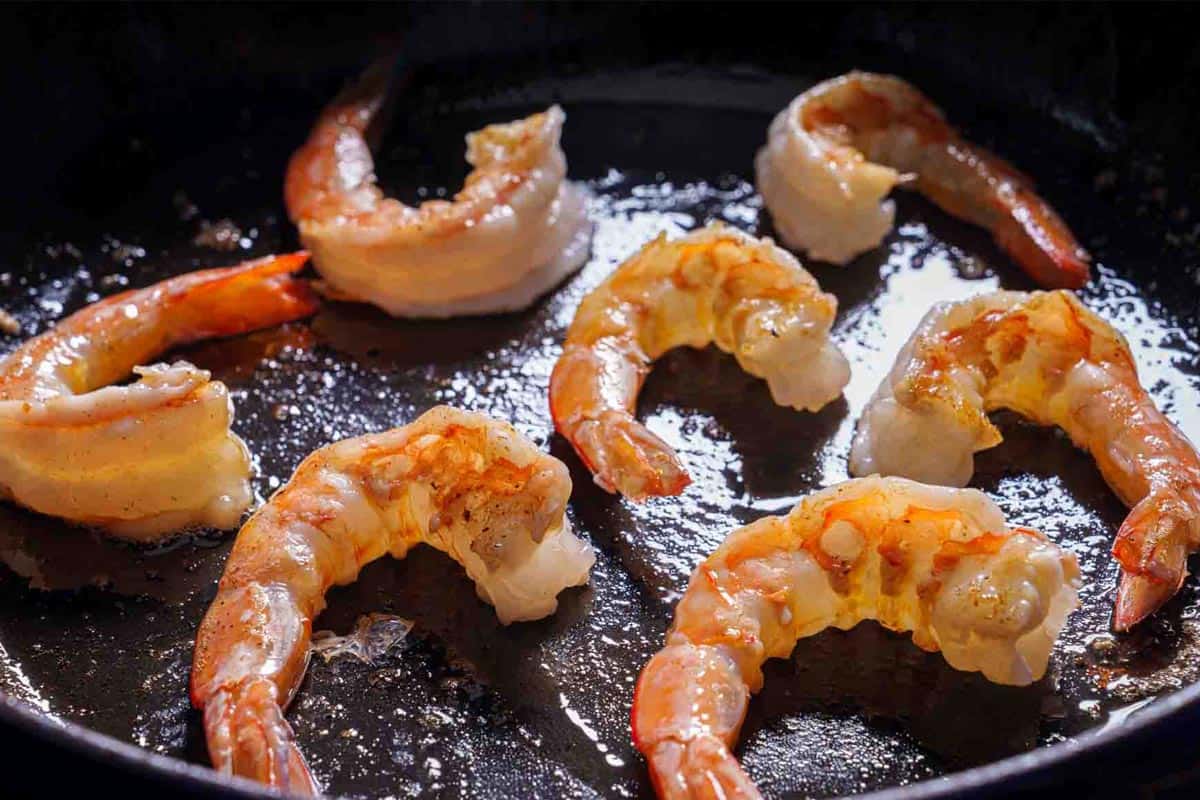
[951,551]
[1046,356]
[691,698]
[515,228]
[639,313]
[156,455]
[857,136]
[253,645]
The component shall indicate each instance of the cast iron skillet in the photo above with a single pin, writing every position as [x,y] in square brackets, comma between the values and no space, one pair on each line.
[142,126]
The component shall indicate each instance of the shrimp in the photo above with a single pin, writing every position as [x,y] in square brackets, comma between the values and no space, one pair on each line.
[836,151]
[935,561]
[1047,357]
[515,230]
[461,482]
[716,285]
[148,459]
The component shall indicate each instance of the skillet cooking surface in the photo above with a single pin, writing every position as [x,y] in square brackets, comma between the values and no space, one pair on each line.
[465,707]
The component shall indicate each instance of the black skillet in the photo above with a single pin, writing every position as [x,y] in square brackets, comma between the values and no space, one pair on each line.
[133,131]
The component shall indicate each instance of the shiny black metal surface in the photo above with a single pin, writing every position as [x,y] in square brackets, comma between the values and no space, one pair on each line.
[152,127]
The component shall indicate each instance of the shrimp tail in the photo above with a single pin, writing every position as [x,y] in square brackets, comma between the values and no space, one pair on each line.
[362,107]
[699,763]
[1139,596]
[1152,548]
[257,294]
[1037,239]
[588,388]
[263,747]
[365,102]
[702,767]
[370,87]
[626,457]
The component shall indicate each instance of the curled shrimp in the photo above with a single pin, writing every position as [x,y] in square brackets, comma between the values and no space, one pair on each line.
[717,285]
[515,230]
[1047,357]
[156,456]
[935,561]
[458,481]
[836,151]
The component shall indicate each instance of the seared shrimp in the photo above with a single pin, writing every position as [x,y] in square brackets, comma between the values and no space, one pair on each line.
[716,285]
[836,151]
[938,562]
[461,482]
[150,458]
[1050,359]
[515,230]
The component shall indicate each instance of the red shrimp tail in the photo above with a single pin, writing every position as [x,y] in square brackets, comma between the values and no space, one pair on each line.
[1139,596]
[312,184]
[700,768]
[367,93]
[590,389]
[248,736]
[1152,547]
[1040,242]
[624,456]
[233,300]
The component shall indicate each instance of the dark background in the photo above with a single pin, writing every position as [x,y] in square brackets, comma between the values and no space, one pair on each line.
[73,75]
[76,79]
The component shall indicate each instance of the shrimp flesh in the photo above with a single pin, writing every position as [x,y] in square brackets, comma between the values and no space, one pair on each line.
[935,561]
[461,482]
[515,230]
[150,458]
[1047,357]
[717,285]
[836,151]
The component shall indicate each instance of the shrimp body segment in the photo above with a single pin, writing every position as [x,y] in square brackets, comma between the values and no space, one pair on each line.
[150,458]
[515,230]
[461,482]
[835,153]
[714,286]
[938,562]
[1047,357]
